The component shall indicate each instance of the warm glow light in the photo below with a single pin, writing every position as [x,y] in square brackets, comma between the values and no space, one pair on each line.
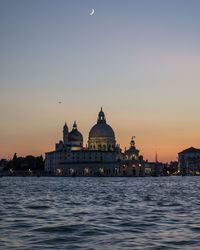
[58,171]
[101,170]
[86,170]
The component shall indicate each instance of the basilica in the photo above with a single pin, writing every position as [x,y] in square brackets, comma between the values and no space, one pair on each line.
[102,156]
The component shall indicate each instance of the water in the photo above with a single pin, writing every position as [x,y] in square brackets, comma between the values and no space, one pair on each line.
[99,213]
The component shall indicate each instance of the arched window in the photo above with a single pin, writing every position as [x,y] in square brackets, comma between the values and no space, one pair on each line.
[133,157]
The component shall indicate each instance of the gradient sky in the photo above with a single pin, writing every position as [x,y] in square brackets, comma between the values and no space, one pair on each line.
[139,59]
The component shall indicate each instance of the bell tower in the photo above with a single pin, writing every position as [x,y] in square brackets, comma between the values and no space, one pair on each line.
[65,134]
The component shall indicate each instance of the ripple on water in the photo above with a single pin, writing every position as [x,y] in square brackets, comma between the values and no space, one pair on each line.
[38,207]
[60,228]
[99,213]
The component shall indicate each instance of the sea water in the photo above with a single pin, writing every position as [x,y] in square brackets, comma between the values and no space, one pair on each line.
[99,213]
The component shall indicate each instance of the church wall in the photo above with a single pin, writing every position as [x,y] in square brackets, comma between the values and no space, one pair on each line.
[101,143]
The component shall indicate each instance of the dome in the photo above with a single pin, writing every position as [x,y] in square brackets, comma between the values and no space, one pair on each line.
[75,135]
[101,130]
[101,135]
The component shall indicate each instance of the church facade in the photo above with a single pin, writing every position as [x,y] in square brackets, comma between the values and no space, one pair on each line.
[101,157]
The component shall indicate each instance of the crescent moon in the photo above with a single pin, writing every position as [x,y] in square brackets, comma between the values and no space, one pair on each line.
[92,12]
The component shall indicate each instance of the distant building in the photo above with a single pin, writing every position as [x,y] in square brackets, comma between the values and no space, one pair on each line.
[101,157]
[172,168]
[3,164]
[154,168]
[189,161]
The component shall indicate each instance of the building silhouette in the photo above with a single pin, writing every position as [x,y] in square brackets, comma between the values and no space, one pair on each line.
[189,161]
[101,157]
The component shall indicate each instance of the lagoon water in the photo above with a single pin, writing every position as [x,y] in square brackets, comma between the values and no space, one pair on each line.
[99,213]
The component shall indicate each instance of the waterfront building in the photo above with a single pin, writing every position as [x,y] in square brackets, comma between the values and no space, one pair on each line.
[3,164]
[189,161]
[101,157]
[172,168]
[155,168]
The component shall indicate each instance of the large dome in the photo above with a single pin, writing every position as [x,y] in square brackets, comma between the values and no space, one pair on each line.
[101,130]
[101,135]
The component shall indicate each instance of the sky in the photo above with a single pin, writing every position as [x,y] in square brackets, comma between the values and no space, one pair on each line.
[139,59]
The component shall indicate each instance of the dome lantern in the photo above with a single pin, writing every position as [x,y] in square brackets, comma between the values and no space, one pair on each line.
[74,126]
[101,117]
[132,143]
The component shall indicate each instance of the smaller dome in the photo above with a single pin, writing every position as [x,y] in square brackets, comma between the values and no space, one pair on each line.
[132,149]
[75,135]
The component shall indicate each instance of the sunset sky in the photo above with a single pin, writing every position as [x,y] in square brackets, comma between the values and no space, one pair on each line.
[139,59]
